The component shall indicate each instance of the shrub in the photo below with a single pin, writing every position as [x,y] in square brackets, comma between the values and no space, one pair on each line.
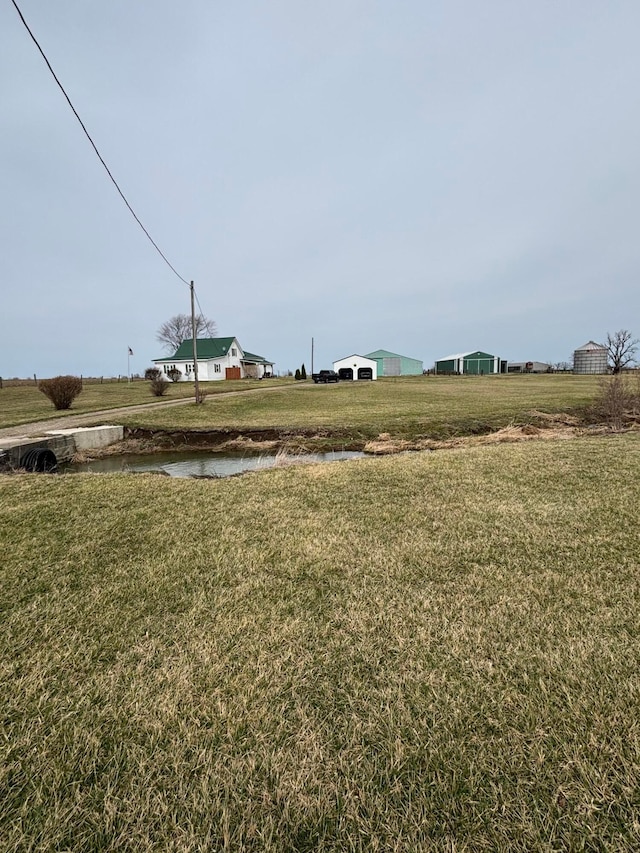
[174,374]
[297,376]
[61,390]
[616,401]
[159,385]
[152,373]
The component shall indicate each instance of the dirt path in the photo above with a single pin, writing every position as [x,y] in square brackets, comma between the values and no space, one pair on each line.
[109,415]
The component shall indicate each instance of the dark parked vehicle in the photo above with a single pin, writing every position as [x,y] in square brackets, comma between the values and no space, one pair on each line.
[325,376]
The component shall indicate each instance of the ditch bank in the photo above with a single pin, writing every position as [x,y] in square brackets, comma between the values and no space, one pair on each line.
[226,440]
[294,441]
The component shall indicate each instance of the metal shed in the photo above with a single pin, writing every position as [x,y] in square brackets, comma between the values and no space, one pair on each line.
[476,363]
[393,364]
[529,367]
[356,367]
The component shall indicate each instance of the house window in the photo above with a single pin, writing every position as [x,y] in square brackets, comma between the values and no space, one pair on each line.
[216,368]
[234,351]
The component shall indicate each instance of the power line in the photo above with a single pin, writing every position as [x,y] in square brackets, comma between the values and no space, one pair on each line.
[93,145]
[198,304]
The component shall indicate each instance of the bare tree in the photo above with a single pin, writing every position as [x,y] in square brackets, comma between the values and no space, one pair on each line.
[178,329]
[622,347]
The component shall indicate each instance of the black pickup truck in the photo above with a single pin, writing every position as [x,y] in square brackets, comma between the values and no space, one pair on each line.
[325,376]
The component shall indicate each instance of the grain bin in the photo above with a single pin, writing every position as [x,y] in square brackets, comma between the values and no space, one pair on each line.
[590,358]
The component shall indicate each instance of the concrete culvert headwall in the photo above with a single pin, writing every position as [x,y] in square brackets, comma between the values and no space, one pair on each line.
[42,452]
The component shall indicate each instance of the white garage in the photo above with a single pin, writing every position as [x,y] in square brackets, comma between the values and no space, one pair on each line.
[355,367]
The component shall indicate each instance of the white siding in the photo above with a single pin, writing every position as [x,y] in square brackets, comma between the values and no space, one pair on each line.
[355,362]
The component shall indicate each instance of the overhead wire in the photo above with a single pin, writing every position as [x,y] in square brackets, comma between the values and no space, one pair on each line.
[198,303]
[93,145]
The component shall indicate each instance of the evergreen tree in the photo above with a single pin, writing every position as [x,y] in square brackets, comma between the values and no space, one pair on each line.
[303,372]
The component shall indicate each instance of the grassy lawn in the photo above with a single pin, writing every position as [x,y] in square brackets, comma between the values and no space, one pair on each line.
[25,403]
[437,651]
[408,406]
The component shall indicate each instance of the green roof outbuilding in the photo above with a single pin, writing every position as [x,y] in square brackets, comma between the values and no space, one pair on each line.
[394,364]
[476,363]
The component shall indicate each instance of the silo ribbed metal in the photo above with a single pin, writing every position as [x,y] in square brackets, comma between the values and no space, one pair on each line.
[590,358]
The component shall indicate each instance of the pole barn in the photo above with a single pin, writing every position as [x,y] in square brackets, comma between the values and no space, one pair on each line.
[476,363]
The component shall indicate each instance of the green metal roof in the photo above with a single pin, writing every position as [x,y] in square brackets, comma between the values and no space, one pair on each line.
[384,353]
[211,348]
[471,354]
[252,357]
[207,348]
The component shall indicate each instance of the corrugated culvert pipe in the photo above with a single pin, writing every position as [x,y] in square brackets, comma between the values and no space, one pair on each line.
[40,461]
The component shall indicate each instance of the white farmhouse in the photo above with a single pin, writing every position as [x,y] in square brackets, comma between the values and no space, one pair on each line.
[218,358]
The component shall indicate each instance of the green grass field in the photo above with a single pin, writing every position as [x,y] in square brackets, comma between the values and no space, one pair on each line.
[25,403]
[406,407]
[437,651]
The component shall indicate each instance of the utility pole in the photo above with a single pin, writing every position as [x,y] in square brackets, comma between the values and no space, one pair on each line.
[312,356]
[195,348]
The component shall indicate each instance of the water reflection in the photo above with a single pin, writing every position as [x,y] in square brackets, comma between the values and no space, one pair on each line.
[201,464]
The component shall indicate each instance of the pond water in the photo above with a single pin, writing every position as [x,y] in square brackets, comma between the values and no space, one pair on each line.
[200,463]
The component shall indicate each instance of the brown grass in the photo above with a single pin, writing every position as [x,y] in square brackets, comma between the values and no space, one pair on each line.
[425,652]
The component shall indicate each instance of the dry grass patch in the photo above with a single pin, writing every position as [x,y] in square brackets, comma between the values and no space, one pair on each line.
[553,429]
[433,651]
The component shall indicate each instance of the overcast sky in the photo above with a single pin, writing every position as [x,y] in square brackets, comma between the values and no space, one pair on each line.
[422,176]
